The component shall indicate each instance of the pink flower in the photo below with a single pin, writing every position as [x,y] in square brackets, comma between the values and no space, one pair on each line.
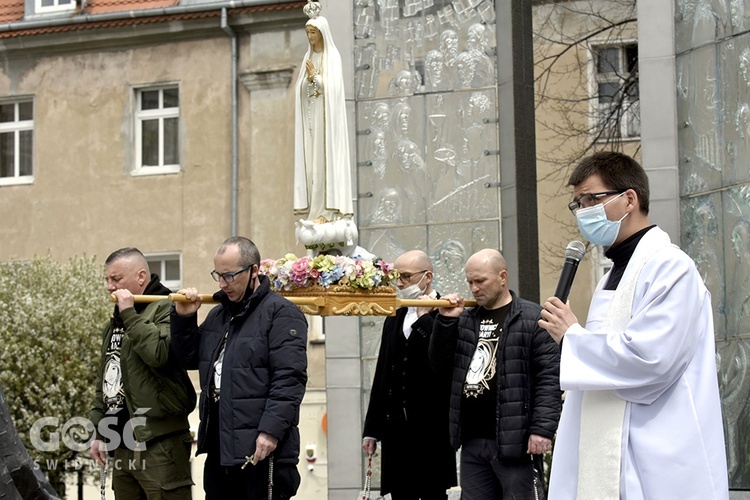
[384,266]
[301,265]
[300,270]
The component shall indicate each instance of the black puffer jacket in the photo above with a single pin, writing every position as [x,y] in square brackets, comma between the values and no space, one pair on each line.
[529,399]
[263,374]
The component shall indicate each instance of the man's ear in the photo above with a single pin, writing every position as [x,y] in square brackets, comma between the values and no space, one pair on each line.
[632,197]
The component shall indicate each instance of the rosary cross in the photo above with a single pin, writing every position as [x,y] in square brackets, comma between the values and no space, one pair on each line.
[248,460]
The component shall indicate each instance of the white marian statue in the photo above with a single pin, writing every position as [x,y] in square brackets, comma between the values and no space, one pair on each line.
[322,171]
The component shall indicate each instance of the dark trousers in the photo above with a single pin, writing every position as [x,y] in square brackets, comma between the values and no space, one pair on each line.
[236,483]
[250,483]
[484,477]
[425,493]
[410,471]
[160,472]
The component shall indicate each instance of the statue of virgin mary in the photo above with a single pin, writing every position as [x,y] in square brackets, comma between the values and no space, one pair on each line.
[322,172]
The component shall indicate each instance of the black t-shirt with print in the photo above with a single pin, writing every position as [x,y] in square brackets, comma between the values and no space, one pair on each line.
[479,399]
[112,388]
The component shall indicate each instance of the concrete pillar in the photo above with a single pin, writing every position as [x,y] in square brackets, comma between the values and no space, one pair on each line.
[658,96]
[343,365]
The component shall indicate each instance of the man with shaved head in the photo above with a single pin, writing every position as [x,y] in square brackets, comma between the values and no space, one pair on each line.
[408,410]
[143,397]
[505,394]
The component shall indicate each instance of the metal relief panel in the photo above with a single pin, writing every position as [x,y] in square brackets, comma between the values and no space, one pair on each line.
[450,245]
[738,16]
[732,359]
[371,328]
[702,236]
[737,255]
[462,156]
[403,48]
[704,21]
[701,147]
[735,125]
[389,243]
[426,142]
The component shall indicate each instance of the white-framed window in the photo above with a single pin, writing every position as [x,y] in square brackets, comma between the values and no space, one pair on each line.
[45,6]
[169,268]
[16,142]
[615,94]
[157,130]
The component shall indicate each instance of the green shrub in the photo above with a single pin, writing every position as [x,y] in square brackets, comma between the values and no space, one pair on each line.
[51,316]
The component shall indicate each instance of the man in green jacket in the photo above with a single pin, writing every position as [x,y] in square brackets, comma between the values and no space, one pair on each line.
[143,398]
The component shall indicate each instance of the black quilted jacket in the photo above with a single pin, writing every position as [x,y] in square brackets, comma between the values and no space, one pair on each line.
[529,399]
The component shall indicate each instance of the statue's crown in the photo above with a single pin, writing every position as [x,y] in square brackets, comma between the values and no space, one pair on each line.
[312,9]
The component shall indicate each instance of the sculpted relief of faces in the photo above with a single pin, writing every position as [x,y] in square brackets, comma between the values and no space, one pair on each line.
[449,46]
[741,240]
[380,116]
[476,37]
[466,65]
[400,120]
[389,207]
[745,66]
[742,120]
[378,145]
[434,62]
[409,156]
[405,83]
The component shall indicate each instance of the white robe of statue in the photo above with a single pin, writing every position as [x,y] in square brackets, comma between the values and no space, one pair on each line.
[663,365]
[322,172]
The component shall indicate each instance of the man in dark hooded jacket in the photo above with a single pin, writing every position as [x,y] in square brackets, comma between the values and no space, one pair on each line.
[252,357]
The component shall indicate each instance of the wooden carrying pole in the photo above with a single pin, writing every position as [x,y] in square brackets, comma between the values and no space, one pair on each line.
[300,301]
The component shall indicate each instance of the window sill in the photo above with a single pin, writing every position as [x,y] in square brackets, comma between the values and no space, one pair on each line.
[16,181]
[146,171]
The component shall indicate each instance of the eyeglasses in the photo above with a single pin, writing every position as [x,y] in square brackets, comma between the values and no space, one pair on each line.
[228,277]
[589,199]
[406,277]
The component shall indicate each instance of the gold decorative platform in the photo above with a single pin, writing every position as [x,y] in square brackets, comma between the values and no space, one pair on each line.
[338,300]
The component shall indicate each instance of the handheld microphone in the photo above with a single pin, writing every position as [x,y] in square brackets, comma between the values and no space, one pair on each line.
[574,252]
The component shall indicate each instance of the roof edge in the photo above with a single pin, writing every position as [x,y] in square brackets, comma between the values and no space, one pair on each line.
[143,13]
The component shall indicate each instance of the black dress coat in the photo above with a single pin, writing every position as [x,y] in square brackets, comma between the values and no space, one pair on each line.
[408,411]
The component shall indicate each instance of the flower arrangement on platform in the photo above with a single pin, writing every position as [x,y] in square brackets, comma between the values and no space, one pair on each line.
[292,272]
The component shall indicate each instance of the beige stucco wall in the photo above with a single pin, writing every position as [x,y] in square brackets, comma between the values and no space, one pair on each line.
[562,109]
[84,199]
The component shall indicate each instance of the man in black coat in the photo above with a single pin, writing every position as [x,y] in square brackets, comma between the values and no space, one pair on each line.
[505,393]
[408,410]
[251,355]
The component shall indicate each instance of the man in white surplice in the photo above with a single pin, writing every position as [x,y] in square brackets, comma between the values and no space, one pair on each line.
[642,414]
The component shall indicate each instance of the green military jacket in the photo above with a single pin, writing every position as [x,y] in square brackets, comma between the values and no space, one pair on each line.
[158,392]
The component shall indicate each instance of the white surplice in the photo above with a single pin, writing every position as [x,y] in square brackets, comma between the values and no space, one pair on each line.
[663,365]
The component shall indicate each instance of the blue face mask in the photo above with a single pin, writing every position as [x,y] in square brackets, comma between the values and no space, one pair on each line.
[594,225]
